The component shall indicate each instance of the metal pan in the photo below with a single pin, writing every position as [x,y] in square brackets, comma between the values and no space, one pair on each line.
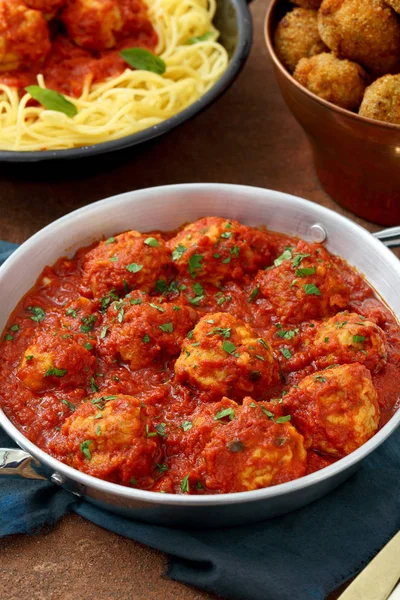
[166,208]
[233,20]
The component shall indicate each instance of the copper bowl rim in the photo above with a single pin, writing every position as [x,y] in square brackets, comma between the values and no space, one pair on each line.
[329,105]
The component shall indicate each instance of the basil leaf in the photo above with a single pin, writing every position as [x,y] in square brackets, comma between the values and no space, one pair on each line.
[199,38]
[311,289]
[144,60]
[52,100]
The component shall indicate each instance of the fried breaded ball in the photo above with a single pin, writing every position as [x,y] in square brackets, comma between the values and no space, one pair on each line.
[92,24]
[347,338]
[123,263]
[382,100]
[225,357]
[106,437]
[213,249]
[395,4]
[341,82]
[142,332]
[364,31]
[336,410]
[296,37]
[24,36]
[315,4]
[136,22]
[251,450]
[48,7]
[304,284]
[59,360]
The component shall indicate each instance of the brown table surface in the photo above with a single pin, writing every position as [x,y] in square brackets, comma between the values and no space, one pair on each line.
[247,137]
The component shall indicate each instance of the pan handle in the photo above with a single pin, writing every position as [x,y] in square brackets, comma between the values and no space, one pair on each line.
[390,237]
[17,463]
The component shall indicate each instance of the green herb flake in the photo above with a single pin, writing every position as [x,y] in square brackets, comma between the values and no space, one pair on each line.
[133,481]
[136,301]
[146,338]
[84,447]
[162,467]
[286,255]
[29,357]
[88,346]
[110,240]
[199,38]
[298,258]
[177,253]
[14,327]
[114,258]
[227,260]
[54,372]
[143,60]
[320,378]
[52,100]
[283,419]
[37,312]
[167,327]
[263,343]
[305,271]
[287,335]
[185,485]
[198,289]
[70,312]
[187,425]
[161,286]
[228,347]
[94,387]
[150,433]
[226,235]
[216,255]
[226,412]
[98,430]
[160,429]
[103,332]
[152,242]
[269,414]
[260,357]
[157,307]
[254,294]
[326,340]
[8,337]
[311,289]
[286,353]
[71,406]
[195,264]
[358,339]
[134,268]
[196,301]
[88,323]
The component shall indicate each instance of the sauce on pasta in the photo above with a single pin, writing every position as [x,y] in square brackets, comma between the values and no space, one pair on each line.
[219,358]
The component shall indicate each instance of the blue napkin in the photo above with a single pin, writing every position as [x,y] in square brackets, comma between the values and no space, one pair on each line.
[303,555]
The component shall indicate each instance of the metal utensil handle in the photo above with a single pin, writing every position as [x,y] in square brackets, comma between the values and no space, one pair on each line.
[17,463]
[390,237]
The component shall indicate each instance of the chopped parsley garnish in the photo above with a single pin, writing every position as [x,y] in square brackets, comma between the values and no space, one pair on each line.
[199,485]
[320,378]
[150,241]
[196,301]
[120,316]
[311,289]
[94,387]
[186,425]
[104,302]
[146,338]
[160,429]
[126,286]
[286,353]
[341,325]
[176,308]
[162,467]
[225,332]
[29,357]
[283,419]
[70,312]
[190,334]
[88,346]
[305,271]
[37,312]
[263,343]
[103,332]
[167,327]
[69,404]
[133,481]
[287,335]
[298,258]
[269,414]
[358,339]
[226,412]
[8,337]
[54,372]
[235,251]
[134,268]
[227,260]
[110,240]
[135,301]
[88,323]
[286,255]
[254,294]
[14,327]
[326,340]
[98,430]
[161,286]
[226,235]
[84,447]
[114,258]
[177,253]
[198,289]
[216,255]
[185,485]
[195,264]
[150,433]
[228,347]
[159,308]
[260,357]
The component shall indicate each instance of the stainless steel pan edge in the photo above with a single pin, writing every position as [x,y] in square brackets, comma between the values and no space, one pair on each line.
[165,208]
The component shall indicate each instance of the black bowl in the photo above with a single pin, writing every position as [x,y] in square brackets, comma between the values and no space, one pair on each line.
[233,20]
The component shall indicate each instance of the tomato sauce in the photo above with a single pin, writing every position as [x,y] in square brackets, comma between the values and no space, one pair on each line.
[179,425]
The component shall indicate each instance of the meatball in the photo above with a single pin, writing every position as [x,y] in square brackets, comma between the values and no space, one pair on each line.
[214,249]
[253,450]
[128,261]
[341,82]
[304,284]
[92,24]
[315,4]
[382,100]
[297,37]
[48,7]
[225,357]
[364,31]
[348,337]
[142,332]
[107,437]
[60,360]
[336,410]
[24,36]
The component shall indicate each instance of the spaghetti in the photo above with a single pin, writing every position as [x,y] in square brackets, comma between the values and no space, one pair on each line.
[133,100]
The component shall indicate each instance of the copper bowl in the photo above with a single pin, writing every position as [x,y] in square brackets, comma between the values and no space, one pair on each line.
[357,159]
